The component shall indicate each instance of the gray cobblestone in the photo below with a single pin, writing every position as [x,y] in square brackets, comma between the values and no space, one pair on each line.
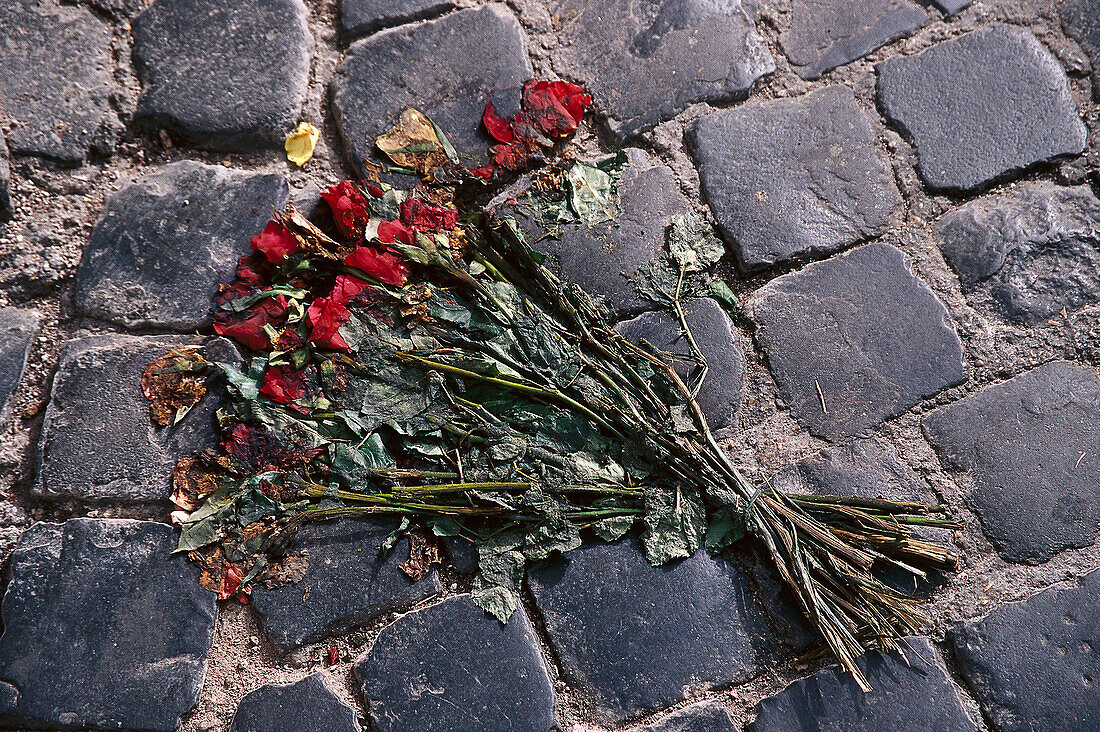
[224,76]
[790,178]
[1031,445]
[980,107]
[103,629]
[855,339]
[646,62]
[56,65]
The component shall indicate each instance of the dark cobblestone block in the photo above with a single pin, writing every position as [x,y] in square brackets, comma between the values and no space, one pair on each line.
[6,208]
[950,7]
[103,628]
[825,34]
[309,704]
[703,717]
[647,62]
[793,177]
[56,65]
[166,242]
[720,393]
[1032,445]
[453,667]
[606,259]
[98,442]
[224,76]
[446,68]
[915,694]
[860,333]
[1033,664]
[1081,20]
[348,584]
[981,106]
[635,638]
[1031,251]
[18,331]
[360,17]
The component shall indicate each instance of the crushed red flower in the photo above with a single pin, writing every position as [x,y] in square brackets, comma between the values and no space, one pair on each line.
[393,231]
[384,266]
[423,216]
[231,584]
[350,209]
[291,386]
[325,316]
[549,108]
[247,326]
[275,242]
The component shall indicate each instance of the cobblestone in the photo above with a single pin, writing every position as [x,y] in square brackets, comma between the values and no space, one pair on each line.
[98,442]
[165,242]
[56,65]
[855,339]
[361,17]
[102,628]
[18,331]
[607,259]
[347,584]
[223,76]
[1031,445]
[1033,664]
[447,68]
[982,106]
[451,666]
[141,146]
[825,34]
[654,634]
[703,717]
[908,694]
[719,394]
[1081,19]
[646,62]
[308,704]
[790,178]
[1030,252]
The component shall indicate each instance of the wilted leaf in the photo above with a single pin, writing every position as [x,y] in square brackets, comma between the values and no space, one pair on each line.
[423,553]
[174,383]
[413,143]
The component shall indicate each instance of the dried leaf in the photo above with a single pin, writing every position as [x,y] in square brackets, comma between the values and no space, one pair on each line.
[301,142]
[413,143]
[173,383]
[423,553]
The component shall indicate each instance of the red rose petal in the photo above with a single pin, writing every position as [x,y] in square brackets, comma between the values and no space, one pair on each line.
[382,266]
[350,209]
[391,231]
[275,241]
[346,288]
[497,126]
[247,327]
[326,316]
[423,216]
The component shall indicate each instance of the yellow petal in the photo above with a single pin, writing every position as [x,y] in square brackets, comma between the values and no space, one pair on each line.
[300,143]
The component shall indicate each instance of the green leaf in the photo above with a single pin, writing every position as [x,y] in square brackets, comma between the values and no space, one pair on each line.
[496,587]
[727,526]
[674,524]
[591,194]
[613,528]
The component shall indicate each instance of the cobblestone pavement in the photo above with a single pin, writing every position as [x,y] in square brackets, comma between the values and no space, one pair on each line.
[908,194]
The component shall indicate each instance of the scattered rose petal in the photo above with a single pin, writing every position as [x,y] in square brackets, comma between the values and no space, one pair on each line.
[350,209]
[301,142]
[275,242]
[326,316]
